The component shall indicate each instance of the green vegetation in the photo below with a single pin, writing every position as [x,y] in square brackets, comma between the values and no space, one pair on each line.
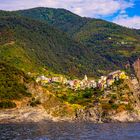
[41,46]
[12,85]
[109,46]
[116,98]
[47,41]
[90,46]
[60,18]
[7,104]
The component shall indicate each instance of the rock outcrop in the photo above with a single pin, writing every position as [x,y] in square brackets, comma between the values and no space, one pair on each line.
[136,66]
[52,108]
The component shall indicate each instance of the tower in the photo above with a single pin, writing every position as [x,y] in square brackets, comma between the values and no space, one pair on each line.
[85,78]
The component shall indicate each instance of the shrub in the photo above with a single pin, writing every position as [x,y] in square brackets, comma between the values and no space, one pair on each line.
[87,94]
[11,86]
[7,104]
[114,106]
[71,99]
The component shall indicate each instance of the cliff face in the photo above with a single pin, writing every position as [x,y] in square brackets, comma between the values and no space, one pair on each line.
[118,104]
[121,104]
[136,66]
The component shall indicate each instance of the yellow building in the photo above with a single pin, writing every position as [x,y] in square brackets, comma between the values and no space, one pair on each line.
[123,76]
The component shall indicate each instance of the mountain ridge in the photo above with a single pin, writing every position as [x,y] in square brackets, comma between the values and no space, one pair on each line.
[45,43]
[105,46]
[99,36]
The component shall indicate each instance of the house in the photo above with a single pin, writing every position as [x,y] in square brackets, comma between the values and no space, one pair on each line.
[93,84]
[74,84]
[55,79]
[82,84]
[85,78]
[85,83]
[123,75]
[70,83]
[102,82]
[114,75]
[64,80]
[110,82]
[77,84]
[60,79]
[43,80]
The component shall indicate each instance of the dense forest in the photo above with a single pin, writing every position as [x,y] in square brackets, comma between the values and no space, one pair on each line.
[112,45]
[65,43]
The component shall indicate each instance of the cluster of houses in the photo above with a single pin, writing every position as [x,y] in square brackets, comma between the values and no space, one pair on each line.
[107,81]
[102,83]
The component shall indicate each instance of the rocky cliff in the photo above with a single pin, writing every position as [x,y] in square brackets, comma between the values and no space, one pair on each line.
[121,104]
[136,66]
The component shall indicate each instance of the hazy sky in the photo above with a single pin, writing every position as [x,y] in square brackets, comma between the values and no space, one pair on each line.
[123,12]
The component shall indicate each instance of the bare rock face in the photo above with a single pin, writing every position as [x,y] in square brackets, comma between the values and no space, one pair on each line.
[136,66]
[91,114]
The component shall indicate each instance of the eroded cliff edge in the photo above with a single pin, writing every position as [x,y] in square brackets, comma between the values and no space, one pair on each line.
[123,108]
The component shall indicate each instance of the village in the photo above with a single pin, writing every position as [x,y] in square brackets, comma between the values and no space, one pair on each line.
[103,83]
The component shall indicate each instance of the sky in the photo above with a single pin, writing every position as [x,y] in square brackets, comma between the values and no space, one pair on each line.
[122,12]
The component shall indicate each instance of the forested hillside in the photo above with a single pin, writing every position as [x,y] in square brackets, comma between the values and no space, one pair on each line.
[60,41]
[30,44]
[60,18]
[108,42]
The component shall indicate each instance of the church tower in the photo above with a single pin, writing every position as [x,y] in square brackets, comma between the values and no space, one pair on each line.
[85,78]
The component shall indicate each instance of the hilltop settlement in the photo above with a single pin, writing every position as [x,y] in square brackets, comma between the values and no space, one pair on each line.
[110,98]
[76,84]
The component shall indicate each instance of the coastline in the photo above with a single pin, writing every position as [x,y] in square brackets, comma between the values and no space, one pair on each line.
[39,114]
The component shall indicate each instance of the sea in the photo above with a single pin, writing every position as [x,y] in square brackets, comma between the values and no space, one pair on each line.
[48,130]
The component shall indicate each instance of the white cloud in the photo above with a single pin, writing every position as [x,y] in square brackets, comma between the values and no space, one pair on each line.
[131,22]
[90,8]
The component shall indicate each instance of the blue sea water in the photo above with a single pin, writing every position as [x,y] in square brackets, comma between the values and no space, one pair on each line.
[70,131]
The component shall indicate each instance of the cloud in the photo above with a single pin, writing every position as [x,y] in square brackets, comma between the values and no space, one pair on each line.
[125,20]
[90,8]
[87,8]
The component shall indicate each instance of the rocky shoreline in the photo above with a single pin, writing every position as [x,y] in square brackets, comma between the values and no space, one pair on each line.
[38,114]
[53,109]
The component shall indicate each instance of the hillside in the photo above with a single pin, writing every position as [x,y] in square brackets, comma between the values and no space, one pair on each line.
[36,43]
[113,42]
[88,46]
[30,44]
[41,46]
[112,45]
[60,18]
[33,103]
[12,85]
